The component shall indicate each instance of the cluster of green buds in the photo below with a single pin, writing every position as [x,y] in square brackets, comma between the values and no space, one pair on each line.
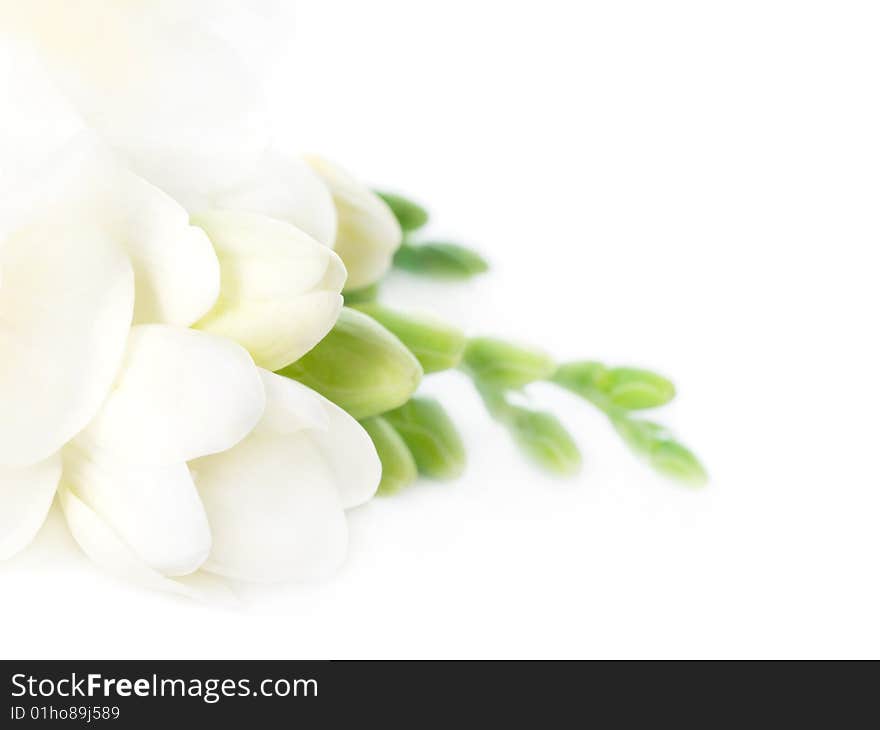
[373,361]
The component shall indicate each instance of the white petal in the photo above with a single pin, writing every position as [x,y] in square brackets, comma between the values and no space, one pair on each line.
[26,495]
[352,456]
[368,234]
[155,511]
[66,302]
[103,545]
[273,501]
[280,289]
[291,407]
[285,188]
[273,509]
[347,448]
[181,394]
[177,275]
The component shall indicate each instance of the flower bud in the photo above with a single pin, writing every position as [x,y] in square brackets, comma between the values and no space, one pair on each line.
[504,365]
[431,437]
[409,214]
[634,389]
[398,465]
[440,260]
[675,460]
[368,234]
[436,345]
[279,291]
[544,439]
[662,452]
[360,366]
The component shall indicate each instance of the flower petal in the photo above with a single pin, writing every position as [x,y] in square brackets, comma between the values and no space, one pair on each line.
[181,394]
[155,511]
[102,544]
[280,289]
[66,302]
[368,234]
[286,188]
[176,271]
[347,447]
[272,501]
[273,510]
[26,494]
[177,275]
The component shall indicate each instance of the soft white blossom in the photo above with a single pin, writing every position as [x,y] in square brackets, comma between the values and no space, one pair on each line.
[128,330]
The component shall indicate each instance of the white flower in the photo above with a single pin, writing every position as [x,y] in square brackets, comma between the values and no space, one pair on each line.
[101,249]
[109,395]
[180,395]
[114,414]
[268,508]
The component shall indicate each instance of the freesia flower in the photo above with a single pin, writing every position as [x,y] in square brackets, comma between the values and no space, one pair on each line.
[114,402]
[269,508]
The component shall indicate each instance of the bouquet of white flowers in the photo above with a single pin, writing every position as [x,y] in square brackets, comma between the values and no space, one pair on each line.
[193,357]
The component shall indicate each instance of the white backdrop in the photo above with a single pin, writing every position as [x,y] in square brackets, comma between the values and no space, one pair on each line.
[688,186]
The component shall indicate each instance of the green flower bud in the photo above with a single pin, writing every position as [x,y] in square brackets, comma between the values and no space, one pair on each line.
[410,215]
[634,389]
[504,365]
[675,460]
[398,465]
[360,366]
[655,443]
[544,439]
[436,345]
[440,259]
[431,437]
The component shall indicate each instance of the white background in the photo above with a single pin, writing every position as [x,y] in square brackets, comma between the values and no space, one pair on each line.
[689,186]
